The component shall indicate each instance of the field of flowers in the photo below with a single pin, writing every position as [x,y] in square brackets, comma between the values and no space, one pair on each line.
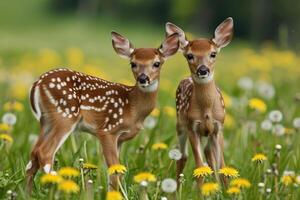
[262,131]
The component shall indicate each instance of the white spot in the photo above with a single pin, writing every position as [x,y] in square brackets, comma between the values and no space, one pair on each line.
[47,168]
[115,116]
[51,85]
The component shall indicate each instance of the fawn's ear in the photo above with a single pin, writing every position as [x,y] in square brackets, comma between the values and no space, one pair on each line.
[170,46]
[122,45]
[172,28]
[224,33]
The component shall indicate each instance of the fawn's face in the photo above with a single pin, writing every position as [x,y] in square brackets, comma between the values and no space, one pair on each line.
[201,53]
[146,63]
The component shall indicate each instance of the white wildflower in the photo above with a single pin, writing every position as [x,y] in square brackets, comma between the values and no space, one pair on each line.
[245,83]
[296,123]
[9,118]
[169,185]
[150,122]
[164,198]
[266,125]
[175,154]
[144,183]
[278,147]
[278,129]
[268,190]
[261,185]
[265,90]
[275,116]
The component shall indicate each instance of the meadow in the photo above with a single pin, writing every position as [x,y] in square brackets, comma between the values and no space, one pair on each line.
[260,85]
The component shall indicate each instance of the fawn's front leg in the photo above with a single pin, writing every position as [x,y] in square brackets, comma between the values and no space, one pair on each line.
[196,148]
[214,151]
[110,152]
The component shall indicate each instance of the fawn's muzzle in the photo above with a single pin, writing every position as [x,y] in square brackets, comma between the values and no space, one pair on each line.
[202,71]
[143,79]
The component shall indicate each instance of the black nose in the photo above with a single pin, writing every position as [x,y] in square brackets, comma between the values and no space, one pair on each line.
[202,70]
[143,78]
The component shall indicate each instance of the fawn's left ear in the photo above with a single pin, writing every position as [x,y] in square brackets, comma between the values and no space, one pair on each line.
[224,33]
[170,46]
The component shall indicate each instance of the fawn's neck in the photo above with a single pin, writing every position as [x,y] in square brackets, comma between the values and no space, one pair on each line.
[142,103]
[205,94]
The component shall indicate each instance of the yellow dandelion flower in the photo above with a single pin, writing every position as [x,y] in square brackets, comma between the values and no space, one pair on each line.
[51,178]
[144,176]
[155,112]
[202,172]
[113,195]
[229,121]
[259,157]
[240,183]
[233,190]
[159,146]
[229,172]
[68,172]
[13,105]
[208,189]
[89,166]
[4,127]
[227,100]
[258,104]
[6,137]
[68,186]
[287,180]
[170,111]
[116,169]
[289,131]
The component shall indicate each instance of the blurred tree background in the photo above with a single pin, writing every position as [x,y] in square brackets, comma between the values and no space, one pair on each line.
[258,20]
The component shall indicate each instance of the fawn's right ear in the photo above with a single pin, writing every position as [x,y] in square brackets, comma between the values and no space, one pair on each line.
[171,29]
[122,45]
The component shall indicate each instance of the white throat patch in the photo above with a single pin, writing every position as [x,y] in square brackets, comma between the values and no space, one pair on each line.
[150,87]
[204,79]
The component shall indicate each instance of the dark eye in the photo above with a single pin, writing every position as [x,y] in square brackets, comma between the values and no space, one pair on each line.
[213,54]
[190,56]
[133,65]
[156,64]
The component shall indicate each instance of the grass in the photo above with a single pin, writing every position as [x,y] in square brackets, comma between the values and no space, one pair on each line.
[23,57]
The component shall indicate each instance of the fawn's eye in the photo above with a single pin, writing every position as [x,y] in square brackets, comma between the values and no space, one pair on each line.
[133,65]
[156,64]
[213,54]
[190,56]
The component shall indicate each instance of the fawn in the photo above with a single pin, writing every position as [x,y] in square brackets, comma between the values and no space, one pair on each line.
[63,100]
[199,102]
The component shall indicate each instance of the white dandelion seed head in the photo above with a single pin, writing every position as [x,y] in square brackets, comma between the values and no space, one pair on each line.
[181,175]
[80,159]
[169,185]
[266,125]
[268,190]
[278,129]
[150,122]
[296,123]
[275,116]
[175,154]
[261,185]
[269,171]
[9,118]
[265,90]
[9,192]
[245,83]
[144,183]
[90,181]
[278,147]
[164,198]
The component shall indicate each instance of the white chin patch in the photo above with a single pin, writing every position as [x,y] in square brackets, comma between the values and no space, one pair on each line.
[149,87]
[203,79]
